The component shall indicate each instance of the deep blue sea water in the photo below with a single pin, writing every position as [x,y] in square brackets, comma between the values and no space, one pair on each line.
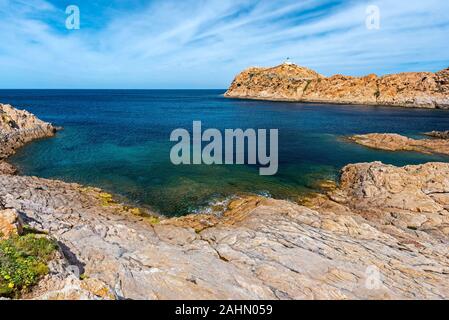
[119,140]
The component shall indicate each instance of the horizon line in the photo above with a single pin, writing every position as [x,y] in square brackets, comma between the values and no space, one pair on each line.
[135,89]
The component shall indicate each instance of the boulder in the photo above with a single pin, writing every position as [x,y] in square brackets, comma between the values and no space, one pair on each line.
[6,168]
[10,223]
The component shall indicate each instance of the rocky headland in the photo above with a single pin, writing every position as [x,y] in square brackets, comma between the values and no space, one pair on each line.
[396,142]
[382,233]
[17,127]
[290,82]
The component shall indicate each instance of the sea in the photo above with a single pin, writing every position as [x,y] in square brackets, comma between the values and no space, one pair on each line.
[119,140]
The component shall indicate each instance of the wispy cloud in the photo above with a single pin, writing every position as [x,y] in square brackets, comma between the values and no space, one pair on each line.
[204,43]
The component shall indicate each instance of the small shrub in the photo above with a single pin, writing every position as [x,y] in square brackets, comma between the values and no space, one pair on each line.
[307,85]
[23,261]
[377,94]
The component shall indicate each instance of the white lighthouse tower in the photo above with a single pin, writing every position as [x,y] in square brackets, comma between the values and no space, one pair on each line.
[288,62]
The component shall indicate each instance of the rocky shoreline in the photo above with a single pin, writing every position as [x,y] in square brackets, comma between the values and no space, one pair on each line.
[17,127]
[290,82]
[381,234]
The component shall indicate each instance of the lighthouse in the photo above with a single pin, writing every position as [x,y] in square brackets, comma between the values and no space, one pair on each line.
[288,62]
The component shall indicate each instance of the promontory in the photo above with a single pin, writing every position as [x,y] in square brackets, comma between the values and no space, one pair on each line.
[290,82]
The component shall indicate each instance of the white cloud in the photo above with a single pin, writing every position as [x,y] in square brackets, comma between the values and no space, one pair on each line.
[204,43]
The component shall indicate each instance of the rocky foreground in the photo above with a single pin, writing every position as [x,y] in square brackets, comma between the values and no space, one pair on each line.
[382,234]
[289,82]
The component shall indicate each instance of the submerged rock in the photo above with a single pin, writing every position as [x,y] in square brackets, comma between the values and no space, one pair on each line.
[289,82]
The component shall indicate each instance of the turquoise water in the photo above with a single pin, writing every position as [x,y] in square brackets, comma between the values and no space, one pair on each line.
[119,140]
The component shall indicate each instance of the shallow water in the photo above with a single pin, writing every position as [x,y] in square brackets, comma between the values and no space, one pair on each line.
[119,140]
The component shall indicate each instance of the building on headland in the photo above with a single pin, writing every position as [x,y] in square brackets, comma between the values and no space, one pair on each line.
[288,62]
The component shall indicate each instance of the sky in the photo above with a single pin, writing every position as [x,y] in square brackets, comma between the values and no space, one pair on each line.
[203,44]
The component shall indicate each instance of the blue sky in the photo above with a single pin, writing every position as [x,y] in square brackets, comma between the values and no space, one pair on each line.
[203,44]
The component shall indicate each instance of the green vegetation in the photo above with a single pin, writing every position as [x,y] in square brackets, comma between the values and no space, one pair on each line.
[23,261]
[307,85]
[377,94]
[141,213]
